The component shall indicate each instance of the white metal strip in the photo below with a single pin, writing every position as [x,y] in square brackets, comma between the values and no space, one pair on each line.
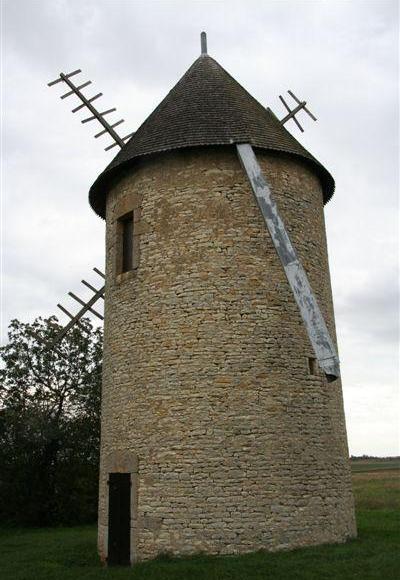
[316,328]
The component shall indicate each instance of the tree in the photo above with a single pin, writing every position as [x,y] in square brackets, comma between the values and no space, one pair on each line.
[49,423]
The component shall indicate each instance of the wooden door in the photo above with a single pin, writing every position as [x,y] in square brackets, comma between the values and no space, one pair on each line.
[119,519]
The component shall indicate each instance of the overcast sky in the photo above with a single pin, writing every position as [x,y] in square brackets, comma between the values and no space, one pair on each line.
[341,56]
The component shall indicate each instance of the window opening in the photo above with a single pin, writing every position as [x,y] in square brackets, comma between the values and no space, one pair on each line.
[312,366]
[126,229]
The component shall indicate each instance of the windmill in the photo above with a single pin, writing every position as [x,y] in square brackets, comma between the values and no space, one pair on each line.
[316,328]
[213,329]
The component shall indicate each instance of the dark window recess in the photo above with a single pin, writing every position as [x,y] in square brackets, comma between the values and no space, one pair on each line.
[119,519]
[127,242]
[312,366]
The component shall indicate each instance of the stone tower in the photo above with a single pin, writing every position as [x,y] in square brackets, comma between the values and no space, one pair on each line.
[219,431]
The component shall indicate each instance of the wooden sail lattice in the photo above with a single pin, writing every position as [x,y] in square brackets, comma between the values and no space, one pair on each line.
[87,306]
[88,103]
[301,105]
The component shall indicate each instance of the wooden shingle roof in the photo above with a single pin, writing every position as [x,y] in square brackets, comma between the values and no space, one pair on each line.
[206,107]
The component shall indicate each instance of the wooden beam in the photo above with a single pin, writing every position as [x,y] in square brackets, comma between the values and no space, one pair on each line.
[291,114]
[93,110]
[99,273]
[91,287]
[314,322]
[76,318]
[92,310]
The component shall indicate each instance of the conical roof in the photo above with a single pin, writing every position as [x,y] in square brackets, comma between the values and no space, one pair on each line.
[206,107]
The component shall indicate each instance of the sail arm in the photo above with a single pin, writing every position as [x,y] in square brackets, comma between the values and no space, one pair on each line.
[314,322]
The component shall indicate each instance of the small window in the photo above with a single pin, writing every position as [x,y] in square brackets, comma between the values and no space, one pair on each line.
[126,242]
[312,366]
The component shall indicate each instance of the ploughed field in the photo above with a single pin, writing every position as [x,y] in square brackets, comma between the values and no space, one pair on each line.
[70,553]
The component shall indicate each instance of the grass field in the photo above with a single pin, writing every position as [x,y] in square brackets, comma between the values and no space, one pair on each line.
[70,553]
[365,465]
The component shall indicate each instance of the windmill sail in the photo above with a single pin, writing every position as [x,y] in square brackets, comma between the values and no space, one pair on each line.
[95,114]
[86,307]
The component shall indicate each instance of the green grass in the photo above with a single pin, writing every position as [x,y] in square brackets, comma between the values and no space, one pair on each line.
[366,465]
[70,553]
[377,490]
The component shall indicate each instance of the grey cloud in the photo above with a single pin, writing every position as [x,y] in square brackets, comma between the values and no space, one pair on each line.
[372,310]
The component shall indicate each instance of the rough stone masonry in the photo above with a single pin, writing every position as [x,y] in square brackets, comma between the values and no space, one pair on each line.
[233,438]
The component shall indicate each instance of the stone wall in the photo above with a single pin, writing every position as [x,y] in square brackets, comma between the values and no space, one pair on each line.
[206,382]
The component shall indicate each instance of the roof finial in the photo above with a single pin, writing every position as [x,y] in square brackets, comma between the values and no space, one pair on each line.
[203,39]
